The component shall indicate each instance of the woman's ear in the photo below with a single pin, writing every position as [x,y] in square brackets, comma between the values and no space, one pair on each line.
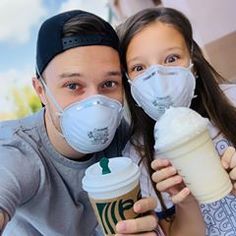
[39,89]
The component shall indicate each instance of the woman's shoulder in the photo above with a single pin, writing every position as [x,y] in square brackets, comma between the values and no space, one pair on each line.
[230,91]
[131,152]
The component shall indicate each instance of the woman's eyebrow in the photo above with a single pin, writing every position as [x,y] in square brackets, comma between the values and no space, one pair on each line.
[137,58]
[175,47]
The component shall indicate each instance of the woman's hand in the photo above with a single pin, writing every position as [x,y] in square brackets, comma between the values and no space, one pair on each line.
[188,218]
[228,161]
[168,180]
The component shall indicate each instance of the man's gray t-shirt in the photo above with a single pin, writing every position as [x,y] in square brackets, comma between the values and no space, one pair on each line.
[41,189]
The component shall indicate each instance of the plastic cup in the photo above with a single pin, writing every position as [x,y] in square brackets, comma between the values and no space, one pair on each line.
[193,155]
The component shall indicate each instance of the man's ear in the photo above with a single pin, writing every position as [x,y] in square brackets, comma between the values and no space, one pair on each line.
[39,89]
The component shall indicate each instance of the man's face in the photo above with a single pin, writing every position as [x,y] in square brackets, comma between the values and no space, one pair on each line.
[79,73]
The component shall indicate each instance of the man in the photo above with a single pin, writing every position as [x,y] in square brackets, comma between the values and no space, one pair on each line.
[43,157]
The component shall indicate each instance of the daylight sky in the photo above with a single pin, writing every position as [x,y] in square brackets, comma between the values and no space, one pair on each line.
[19,23]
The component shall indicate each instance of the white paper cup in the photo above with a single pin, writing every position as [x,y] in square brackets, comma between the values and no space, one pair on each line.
[113,195]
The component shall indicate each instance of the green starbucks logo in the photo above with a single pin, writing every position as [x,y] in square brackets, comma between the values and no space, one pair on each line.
[112,212]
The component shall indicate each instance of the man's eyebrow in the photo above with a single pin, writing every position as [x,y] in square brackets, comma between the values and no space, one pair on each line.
[69,75]
[76,74]
[114,73]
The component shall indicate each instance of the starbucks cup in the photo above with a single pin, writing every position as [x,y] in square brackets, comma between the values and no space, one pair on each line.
[181,135]
[113,188]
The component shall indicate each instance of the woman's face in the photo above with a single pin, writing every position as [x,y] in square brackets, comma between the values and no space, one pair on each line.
[158,43]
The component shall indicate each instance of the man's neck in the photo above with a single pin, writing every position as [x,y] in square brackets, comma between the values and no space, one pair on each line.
[86,157]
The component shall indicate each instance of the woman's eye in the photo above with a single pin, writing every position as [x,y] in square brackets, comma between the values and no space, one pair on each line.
[171,59]
[137,68]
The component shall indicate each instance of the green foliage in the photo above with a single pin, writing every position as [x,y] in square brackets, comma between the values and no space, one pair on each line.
[26,101]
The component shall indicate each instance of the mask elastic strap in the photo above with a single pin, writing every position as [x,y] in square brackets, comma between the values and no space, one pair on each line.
[127,76]
[48,92]
[190,65]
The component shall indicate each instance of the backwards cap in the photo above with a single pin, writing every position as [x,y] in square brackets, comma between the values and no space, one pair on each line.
[51,42]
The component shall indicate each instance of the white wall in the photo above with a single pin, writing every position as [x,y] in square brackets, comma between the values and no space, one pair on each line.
[211,19]
[125,8]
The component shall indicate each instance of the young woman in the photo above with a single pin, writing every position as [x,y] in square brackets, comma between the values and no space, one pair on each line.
[154,44]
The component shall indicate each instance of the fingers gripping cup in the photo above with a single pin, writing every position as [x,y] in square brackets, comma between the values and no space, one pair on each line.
[181,135]
[113,188]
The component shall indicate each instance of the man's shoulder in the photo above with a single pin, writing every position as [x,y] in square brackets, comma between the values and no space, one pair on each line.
[10,127]
[19,139]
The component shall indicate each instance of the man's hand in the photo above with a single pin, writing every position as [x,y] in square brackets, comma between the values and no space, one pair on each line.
[4,218]
[228,161]
[144,225]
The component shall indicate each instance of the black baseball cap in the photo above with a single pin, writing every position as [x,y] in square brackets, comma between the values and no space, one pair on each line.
[51,41]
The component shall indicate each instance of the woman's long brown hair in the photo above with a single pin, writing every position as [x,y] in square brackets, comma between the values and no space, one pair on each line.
[210,101]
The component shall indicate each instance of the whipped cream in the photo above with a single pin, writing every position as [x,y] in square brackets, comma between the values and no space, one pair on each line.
[178,125]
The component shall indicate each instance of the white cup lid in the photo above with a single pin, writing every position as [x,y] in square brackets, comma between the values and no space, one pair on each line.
[123,173]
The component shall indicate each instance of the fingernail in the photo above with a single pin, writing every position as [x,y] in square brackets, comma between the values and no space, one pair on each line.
[178,179]
[186,191]
[137,208]
[154,165]
[166,162]
[225,164]
[172,170]
[121,227]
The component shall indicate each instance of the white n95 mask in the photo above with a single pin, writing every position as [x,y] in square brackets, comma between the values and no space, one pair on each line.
[160,87]
[89,125]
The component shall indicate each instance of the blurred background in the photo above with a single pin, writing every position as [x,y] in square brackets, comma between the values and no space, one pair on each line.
[213,23]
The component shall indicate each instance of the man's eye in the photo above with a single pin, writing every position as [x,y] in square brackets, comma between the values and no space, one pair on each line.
[72,86]
[109,84]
